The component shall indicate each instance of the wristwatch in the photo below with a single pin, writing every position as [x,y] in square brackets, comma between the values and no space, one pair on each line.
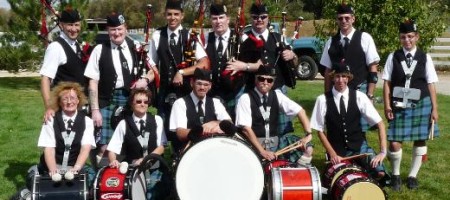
[181,72]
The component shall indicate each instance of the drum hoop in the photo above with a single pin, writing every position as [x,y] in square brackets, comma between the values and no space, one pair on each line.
[335,186]
[348,168]
[316,182]
[130,181]
[231,139]
[96,179]
[366,180]
[276,190]
[81,177]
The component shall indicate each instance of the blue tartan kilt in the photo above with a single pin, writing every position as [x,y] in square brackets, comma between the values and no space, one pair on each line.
[364,124]
[288,139]
[119,98]
[412,124]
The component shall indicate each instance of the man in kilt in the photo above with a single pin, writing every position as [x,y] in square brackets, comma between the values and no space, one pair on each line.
[410,118]
[109,70]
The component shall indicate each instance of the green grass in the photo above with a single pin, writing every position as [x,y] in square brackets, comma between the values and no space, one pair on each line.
[21,113]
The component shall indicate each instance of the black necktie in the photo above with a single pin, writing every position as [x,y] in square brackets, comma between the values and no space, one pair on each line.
[346,42]
[264,101]
[142,127]
[409,59]
[172,40]
[343,112]
[69,126]
[200,109]
[262,38]
[220,48]
[123,60]
[78,50]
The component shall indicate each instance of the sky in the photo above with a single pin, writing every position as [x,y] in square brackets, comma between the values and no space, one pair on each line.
[4,4]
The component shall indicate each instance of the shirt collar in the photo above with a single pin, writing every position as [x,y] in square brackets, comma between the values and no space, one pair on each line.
[195,99]
[337,94]
[177,32]
[225,35]
[265,34]
[66,117]
[67,39]
[115,46]
[260,94]
[137,119]
[349,36]
[412,52]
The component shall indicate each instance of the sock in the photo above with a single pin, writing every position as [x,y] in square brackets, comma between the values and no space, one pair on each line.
[396,159]
[416,163]
[99,159]
[304,160]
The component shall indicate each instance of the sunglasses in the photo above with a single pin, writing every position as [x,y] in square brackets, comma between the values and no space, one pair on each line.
[262,79]
[346,18]
[141,101]
[262,17]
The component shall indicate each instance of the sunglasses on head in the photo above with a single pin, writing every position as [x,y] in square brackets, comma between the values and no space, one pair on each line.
[262,79]
[262,17]
[346,18]
[141,101]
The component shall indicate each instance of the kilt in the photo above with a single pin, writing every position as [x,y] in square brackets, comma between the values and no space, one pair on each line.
[364,124]
[119,98]
[284,122]
[412,124]
[365,162]
[230,105]
[288,139]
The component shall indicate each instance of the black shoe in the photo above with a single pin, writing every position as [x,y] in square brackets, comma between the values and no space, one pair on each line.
[412,183]
[396,182]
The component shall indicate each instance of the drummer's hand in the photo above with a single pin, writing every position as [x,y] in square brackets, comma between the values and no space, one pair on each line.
[52,172]
[97,117]
[75,169]
[335,159]
[377,160]
[268,155]
[48,115]
[211,127]
[137,162]
[114,164]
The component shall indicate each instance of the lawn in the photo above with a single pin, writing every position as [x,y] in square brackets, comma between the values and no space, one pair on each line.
[21,119]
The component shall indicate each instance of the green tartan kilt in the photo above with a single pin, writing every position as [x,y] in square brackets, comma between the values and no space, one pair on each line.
[412,124]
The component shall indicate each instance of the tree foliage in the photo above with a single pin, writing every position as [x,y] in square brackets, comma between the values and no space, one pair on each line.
[381,18]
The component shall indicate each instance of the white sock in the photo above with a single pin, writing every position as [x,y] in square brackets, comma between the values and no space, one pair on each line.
[304,160]
[99,159]
[416,163]
[396,159]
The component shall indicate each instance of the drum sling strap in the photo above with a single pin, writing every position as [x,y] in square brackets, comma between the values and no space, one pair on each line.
[407,93]
[68,137]
[265,112]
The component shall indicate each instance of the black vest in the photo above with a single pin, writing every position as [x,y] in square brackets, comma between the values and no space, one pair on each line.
[192,115]
[258,122]
[131,148]
[344,134]
[418,79]
[108,76]
[168,61]
[58,125]
[354,58]
[74,68]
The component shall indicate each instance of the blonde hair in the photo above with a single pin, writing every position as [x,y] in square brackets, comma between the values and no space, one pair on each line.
[57,91]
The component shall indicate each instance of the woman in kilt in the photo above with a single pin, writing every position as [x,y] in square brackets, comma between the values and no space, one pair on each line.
[410,102]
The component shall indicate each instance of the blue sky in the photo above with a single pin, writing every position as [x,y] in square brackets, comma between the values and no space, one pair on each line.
[4,4]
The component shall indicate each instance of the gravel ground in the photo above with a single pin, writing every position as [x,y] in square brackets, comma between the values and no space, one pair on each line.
[442,87]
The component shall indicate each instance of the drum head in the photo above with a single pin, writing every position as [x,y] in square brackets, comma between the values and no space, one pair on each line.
[364,190]
[219,168]
[138,186]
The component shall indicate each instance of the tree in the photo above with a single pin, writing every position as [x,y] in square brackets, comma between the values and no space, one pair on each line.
[381,18]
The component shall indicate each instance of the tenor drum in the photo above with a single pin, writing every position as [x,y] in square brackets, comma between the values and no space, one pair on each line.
[356,185]
[111,184]
[44,188]
[295,183]
[334,171]
[219,168]
[277,163]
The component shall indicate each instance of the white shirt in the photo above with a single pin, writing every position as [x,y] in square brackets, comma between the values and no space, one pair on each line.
[264,34]
[47,136]
[115,144]
[93,71]
[178,117]
[365,106]
[367,43]
[244,115]
[55,56]
[154,44]
[225,38]
[430,75]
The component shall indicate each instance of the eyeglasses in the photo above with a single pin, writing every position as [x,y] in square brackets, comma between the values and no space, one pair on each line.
[262,79]
[346,18]
[67,99]
[141,101]
[407,37]
[262,17]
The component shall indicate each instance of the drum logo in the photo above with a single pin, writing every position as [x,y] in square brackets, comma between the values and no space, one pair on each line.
[112,182]
[111,196]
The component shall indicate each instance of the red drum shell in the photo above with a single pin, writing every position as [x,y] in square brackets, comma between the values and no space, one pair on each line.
[295,183]
[356,185]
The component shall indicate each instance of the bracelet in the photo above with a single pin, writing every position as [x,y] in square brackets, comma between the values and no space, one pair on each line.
[307,134]
[383,152]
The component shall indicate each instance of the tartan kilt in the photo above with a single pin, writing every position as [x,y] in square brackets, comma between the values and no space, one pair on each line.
[364,124]
[288,139]
[230,105]
[412,124]
[119,98]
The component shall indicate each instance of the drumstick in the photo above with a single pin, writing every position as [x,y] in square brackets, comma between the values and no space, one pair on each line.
[285,150]
[289,146]
[431,135]
[352,157]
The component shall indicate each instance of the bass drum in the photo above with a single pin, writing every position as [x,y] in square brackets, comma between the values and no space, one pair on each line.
[219,168]
[356,185]
[334,171]
[44,188]
[295,183]
[111,184]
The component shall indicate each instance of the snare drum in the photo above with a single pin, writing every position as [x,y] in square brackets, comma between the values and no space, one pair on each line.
[334,171]
[356,185]
[219,168]
[45,188]
[111,184]
[295,183]
[277,163]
